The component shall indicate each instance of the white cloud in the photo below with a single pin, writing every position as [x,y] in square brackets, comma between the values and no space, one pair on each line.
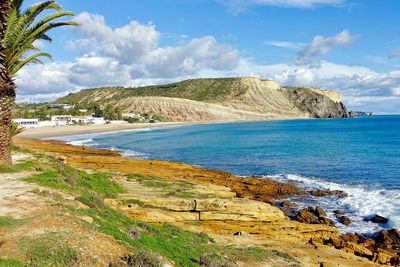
[104,63]
[360,86]
[128,56]
[322,46]
[44,82]
[396,91]
[134,50]
[237,6]
[39,44]
[289,45]
[127,44]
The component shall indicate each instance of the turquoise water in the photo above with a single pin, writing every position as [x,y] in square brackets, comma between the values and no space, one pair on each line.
[360,156]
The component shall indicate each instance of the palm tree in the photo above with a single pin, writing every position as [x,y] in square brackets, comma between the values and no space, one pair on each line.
[18,32]
[7,90]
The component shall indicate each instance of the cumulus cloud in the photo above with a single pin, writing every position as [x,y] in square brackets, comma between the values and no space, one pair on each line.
[128,56]
[321,46]
[127,44]
[110,59]
[237,6]
[133,50]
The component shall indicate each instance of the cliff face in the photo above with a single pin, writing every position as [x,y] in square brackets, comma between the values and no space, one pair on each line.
[319,104]
[226,99]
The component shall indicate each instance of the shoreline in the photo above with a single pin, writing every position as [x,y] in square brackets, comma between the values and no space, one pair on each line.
[56,131]
[227,208]
[46,133]
[260,190]
[65,130]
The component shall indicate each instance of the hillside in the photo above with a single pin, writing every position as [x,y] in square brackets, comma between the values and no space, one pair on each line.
[224,99]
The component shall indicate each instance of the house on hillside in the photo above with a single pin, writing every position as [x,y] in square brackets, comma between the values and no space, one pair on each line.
[131,115]
[63,106]
[61,119]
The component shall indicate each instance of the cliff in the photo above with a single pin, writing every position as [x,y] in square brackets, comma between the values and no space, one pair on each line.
[225,99]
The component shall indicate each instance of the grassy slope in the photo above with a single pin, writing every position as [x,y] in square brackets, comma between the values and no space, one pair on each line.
[198,90]
[146,242]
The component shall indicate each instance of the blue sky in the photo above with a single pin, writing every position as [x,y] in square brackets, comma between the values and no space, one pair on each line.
[344,45]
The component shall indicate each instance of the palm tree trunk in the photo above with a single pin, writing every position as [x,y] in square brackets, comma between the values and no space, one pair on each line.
[7,93]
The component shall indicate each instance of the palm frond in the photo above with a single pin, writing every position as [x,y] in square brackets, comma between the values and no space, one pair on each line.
[23,29]
[32,59]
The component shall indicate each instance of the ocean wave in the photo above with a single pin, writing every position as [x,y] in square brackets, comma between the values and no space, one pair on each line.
[362,202]
[134,154]
[80,142]
[89,140]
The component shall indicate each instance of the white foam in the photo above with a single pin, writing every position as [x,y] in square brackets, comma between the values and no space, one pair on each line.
[80,142]
[88,140]
[361,202]
[134,154]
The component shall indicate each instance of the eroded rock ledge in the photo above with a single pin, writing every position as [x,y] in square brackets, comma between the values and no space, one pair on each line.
[219,210]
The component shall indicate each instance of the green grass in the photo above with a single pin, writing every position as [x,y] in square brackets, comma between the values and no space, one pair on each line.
[198,89]
[9,222]
[20,167]
[144,241]
[15,148]
[50,179]
[70,179]
[180,194]
[11,263]
[285,255]
[170,187]
[49,250]
[183,247]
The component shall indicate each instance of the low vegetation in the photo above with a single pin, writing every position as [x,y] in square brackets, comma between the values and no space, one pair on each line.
[50,249]
[11,263]
[197,90]
[9,222]
[168,187]
[20,167]
[148,244]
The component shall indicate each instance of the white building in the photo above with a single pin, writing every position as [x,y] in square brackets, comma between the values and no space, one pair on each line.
[131,115]
[27,123]
[61,119]
[81,119]
[88,120]
[63,106]
[47,123]
[96,120]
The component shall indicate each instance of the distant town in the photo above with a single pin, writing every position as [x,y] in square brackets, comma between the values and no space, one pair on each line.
[43,115]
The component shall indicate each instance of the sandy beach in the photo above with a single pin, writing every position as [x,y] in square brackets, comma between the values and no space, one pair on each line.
[85,129]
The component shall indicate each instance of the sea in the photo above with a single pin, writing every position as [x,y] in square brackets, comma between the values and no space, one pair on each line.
[359,156]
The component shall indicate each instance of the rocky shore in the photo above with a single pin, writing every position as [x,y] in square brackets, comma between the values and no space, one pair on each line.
[233,209]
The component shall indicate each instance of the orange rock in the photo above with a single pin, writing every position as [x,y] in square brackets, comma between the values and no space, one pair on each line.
[383,257]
